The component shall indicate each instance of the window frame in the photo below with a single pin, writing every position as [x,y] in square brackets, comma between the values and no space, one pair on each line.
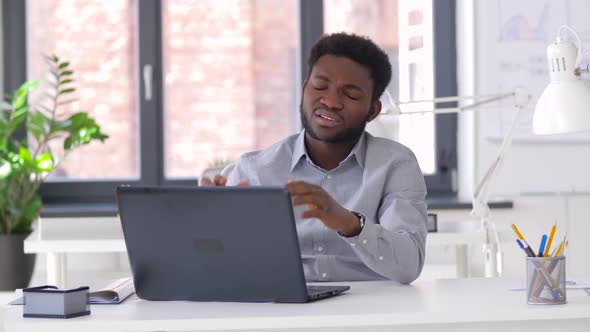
[151,113]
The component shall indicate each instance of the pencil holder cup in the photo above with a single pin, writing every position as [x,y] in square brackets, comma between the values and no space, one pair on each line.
[545,280]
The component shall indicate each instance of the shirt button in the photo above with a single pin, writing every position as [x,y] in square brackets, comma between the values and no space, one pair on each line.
[329,176]
[324,275]
[320,249]
[380,258]
[365,241]
[353,245]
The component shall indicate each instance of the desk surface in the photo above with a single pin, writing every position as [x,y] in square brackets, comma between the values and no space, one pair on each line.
[447,305]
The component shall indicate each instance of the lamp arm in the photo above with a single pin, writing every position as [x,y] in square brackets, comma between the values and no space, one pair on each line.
[481,193]
[484,99]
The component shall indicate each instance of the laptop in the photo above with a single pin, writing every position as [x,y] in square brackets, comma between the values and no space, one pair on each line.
[235,244]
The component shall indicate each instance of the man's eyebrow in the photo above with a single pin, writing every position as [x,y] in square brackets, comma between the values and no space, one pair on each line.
[347,86]
[321,77]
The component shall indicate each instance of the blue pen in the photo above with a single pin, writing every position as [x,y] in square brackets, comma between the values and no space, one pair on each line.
[542,245]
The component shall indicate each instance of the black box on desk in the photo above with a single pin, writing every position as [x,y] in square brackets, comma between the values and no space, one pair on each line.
[50,302]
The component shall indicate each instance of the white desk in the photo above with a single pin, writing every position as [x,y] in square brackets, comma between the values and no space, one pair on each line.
[58,236]
[441,305]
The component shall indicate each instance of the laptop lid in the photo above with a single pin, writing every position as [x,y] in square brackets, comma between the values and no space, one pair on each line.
[212,243]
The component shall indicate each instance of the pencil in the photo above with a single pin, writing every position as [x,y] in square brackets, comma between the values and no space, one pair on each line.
[549,241]
[517,232]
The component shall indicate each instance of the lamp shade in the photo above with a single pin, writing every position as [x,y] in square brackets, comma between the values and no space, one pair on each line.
[564,105]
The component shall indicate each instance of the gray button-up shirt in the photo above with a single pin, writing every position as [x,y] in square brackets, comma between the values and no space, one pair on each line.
[379,179]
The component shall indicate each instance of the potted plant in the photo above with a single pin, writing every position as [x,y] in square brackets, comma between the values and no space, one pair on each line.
[26,161]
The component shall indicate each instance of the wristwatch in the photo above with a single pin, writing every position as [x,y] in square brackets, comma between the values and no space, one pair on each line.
[361,221]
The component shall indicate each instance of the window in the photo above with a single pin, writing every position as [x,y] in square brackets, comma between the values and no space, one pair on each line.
[104,74]
[229,80]
[403,29]
[183,85]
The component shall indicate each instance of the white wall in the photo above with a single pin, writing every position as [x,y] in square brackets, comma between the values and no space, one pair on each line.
[539,169]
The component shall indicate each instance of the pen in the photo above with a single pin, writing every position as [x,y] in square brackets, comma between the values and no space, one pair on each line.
[542,245]
[527,249]
[517,232]
[523,241]
[551,234]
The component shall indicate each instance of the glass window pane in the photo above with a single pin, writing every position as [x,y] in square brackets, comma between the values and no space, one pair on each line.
[229,79]
[404,30]
[97,37]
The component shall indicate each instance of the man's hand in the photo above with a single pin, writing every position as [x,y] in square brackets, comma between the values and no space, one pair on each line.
[219,181]
[322,206]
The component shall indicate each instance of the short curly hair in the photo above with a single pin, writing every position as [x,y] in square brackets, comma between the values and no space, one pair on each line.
[358,49]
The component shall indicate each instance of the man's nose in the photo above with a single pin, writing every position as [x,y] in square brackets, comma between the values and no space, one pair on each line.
[332,100]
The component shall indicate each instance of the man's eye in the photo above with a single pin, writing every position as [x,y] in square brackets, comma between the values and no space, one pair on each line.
[320,87]
[352,97]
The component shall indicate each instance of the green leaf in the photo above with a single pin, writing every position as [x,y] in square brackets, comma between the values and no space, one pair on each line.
[37,123]
[30,212]
[68,143]
[65,73]
[18,117]
[28,86]
[20,96]
[64,91]
[25,155]
[63,65]
[66,81]
[78,119]
[44,163]
[19,99]
[60,125]
[3,120]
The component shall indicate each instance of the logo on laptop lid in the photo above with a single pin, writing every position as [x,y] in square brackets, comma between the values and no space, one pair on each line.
[208,245]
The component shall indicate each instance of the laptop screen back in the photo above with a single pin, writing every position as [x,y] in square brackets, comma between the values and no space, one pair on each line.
[212,243]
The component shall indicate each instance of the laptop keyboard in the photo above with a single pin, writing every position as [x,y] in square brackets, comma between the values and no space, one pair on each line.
[317,291]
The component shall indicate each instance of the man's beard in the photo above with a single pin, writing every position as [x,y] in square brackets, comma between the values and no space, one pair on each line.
[349,135]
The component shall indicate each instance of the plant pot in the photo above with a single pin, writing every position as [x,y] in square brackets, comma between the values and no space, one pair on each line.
[16,267]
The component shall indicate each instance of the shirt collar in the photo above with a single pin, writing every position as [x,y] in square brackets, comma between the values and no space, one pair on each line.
[358,151]
[299,150]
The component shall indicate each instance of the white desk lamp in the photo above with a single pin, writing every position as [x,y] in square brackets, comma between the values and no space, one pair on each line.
[563,107]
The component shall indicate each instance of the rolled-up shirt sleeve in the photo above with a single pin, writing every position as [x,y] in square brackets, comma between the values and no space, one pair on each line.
[241,170]
[392,243]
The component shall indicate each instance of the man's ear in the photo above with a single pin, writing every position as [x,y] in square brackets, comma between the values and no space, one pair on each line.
[304,84]
[375,110]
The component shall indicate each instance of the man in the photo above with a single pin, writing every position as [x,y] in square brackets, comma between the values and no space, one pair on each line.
[358,199]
